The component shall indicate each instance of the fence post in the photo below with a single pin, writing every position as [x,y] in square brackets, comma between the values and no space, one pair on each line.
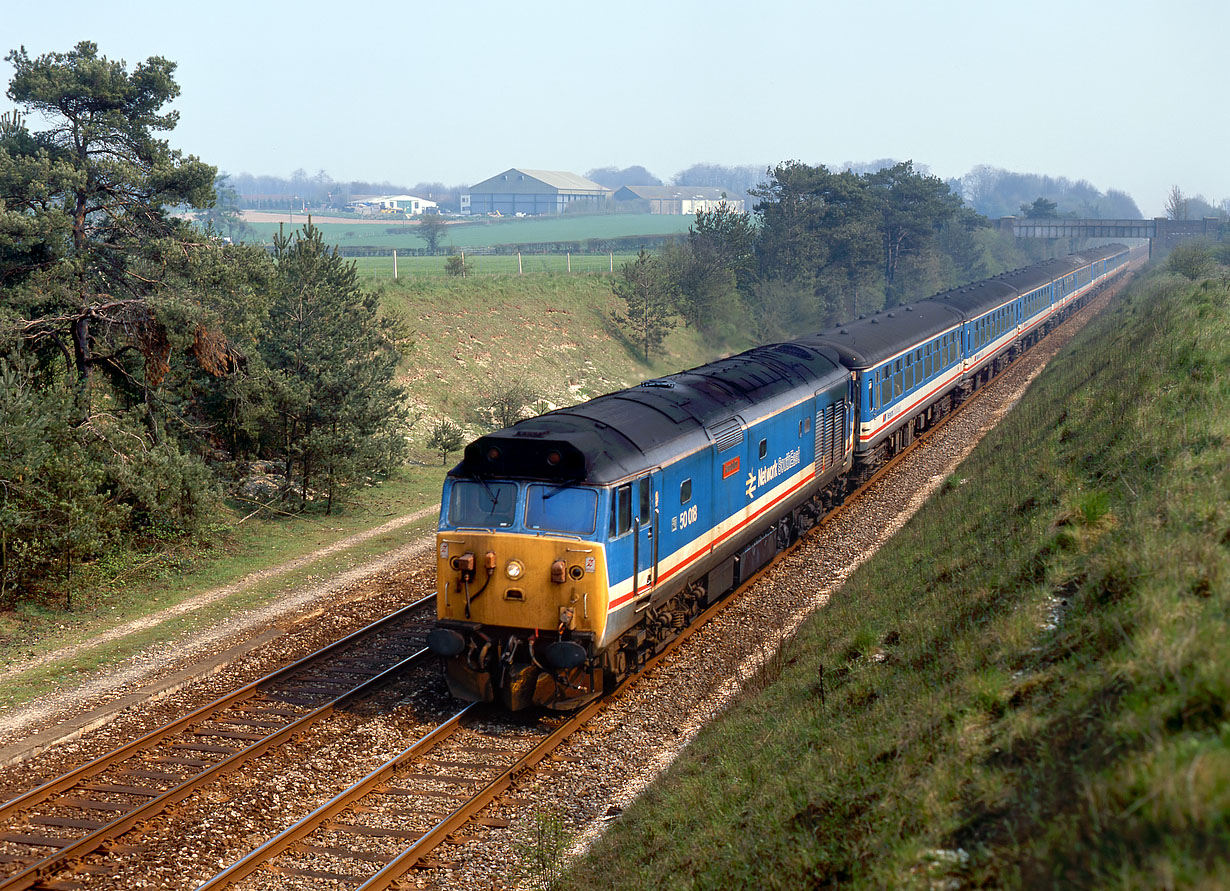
[519,270]
[463,264]
[612,256]
[570,262]
[395,264]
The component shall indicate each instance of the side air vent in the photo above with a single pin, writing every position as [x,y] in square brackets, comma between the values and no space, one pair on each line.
[726,434]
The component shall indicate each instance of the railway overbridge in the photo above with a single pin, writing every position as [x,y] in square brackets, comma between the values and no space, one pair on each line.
[1165,232]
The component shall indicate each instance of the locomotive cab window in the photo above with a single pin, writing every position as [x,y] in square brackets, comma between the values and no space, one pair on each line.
[561,509]
[645,500]
[621,510]
[482,504]
[685,491]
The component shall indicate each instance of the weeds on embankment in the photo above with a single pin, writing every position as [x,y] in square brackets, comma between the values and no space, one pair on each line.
[1028,685]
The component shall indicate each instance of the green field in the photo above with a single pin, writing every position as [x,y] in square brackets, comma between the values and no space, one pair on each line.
[485,232]
[381,268]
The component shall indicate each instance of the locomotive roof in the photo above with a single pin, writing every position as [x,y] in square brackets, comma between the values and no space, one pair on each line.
[623,433]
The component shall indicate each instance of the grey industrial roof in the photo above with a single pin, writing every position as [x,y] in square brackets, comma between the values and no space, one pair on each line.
[556,179]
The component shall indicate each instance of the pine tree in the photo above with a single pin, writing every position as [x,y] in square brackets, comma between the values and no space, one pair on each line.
[649,303]
[336,410]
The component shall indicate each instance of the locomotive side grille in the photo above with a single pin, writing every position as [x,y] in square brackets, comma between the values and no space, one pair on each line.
[726,434]
[824,440]
[838,434]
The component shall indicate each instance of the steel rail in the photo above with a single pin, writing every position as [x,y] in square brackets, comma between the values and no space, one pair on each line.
[31,874]
[257,858]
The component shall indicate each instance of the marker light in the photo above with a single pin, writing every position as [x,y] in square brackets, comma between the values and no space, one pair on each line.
[514,569]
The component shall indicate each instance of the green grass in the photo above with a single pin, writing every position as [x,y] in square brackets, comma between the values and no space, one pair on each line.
[485,232]
[551,333]
[1047,705]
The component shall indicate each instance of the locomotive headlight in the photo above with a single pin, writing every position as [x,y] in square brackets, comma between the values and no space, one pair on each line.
[514,569]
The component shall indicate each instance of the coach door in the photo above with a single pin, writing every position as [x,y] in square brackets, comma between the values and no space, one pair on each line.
[645,530]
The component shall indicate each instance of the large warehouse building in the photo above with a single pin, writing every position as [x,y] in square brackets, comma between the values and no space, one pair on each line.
[531,192]
[685,200]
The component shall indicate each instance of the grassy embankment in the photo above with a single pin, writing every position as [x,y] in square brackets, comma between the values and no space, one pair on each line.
[1028,685]
[550,332]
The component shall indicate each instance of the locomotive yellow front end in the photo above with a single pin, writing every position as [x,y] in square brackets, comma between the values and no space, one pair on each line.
[521,592]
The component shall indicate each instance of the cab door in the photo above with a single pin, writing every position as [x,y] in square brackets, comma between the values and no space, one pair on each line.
[646,531]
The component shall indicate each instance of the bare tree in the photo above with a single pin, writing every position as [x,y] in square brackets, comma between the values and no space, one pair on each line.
[431,230]
[1176,204]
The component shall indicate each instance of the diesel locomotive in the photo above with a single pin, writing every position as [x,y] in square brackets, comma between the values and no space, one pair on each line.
[572,546]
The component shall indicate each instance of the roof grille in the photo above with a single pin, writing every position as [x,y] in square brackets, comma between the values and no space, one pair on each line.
[791,350]
[726,434]
[659,382]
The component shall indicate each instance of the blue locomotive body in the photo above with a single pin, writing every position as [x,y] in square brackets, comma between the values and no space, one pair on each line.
[573,545]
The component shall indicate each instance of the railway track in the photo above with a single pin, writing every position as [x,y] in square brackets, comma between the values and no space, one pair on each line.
[397,817]
[46,829]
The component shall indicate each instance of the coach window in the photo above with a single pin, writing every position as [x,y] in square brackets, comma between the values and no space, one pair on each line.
[764,447]
[685,491]
[621,511]
[928,362]
[886,386]
[644,500]
[897,379]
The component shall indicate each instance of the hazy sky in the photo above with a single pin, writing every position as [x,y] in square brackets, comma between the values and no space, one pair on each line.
[1126,94]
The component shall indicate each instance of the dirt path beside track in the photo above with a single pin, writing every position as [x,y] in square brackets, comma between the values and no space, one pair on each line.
[140,666]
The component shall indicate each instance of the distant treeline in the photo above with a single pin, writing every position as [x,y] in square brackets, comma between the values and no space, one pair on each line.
[257,192]
[990,191]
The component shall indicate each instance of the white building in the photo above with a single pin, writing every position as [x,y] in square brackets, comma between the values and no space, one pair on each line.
[409,205]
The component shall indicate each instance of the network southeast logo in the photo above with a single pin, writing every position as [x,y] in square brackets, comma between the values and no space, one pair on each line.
[770,472]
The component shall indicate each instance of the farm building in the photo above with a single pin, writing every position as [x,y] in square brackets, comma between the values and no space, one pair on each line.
[407,204]
[533,192]
[679,199]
